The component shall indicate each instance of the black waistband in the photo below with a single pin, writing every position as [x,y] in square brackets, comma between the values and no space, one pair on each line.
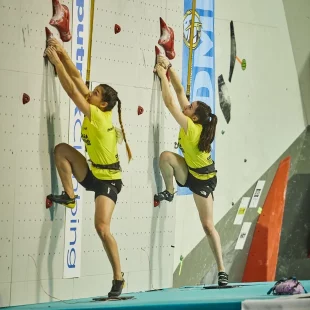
[204,170]
[114,166]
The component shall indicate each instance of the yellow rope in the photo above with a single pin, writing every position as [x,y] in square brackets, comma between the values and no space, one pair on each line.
[91,24]
[190,57]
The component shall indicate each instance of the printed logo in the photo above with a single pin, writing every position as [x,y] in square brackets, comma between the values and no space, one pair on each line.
[187,29]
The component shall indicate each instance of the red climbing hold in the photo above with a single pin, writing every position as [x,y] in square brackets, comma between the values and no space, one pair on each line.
[26,98]
[166,39]
[156,203]
[48,33]
[48,203]
[117,28]
[61,20]
[140,110]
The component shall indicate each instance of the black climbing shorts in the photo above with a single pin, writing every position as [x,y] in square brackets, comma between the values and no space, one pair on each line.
[200,187]
[108,188]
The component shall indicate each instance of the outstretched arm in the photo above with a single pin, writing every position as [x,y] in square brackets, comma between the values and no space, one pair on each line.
[175,81]
[168,99]
[69,66]
[67,83]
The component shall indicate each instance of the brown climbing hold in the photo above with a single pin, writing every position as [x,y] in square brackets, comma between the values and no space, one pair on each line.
[140,110]
[117,28]
[156,203]
[48,203]
[26,98]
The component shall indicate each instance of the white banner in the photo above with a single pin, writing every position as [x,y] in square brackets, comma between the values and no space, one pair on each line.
[73,225]
[241,210]
[257,193]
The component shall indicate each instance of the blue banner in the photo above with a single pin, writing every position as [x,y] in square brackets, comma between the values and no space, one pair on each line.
[203,62]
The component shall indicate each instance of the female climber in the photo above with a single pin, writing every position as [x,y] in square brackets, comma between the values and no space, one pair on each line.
[100,137]
[196,170]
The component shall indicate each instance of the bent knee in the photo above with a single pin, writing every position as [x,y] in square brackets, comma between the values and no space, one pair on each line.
[61,148]
[166,156]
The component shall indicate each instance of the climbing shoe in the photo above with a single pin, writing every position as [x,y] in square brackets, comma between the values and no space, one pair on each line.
[165,195]
[222,278]
[63,199]
[117,287]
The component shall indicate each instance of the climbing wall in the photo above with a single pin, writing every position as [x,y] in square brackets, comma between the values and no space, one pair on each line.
[32,242]
[260,115]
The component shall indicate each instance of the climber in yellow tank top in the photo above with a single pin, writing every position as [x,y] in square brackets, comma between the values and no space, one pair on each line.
[196,170]
[100,137]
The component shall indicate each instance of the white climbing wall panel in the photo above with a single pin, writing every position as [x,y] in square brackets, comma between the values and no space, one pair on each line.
[30,234]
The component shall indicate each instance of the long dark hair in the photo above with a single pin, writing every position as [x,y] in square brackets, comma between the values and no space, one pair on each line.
[109,95]
[208,120]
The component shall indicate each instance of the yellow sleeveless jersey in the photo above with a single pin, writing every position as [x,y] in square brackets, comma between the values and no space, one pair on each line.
[188,143]
[99,136]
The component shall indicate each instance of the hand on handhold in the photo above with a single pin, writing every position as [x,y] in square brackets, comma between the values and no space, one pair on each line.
[56,45]
[163,61]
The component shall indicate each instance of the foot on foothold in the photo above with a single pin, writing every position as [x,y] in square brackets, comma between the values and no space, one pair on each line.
[165,195]
[222,278]
[117,287]
[62,199]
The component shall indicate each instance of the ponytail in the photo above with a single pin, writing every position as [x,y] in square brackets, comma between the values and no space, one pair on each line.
[119,108]
[208,121]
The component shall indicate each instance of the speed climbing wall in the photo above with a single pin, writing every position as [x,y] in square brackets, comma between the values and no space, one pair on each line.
[261,120]
[265,118]
[39,248]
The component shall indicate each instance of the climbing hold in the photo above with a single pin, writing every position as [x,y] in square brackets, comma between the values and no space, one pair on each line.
[140,110]
[117,28]
[232,203]
[243,64]
[166,39]
[26,98]
[156,203]
[49,35]
[245,160]
[61,20]
[48,203]
[158,52]
[223,132]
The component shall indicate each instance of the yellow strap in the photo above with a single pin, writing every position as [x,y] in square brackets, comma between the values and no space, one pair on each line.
[90,41]
[190,57]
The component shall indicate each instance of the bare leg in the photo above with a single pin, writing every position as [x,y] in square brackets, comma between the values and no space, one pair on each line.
[172,164]
[69,161]
[103,214]
[205,209]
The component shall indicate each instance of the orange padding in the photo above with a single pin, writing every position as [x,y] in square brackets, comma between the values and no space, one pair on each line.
[263,255]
